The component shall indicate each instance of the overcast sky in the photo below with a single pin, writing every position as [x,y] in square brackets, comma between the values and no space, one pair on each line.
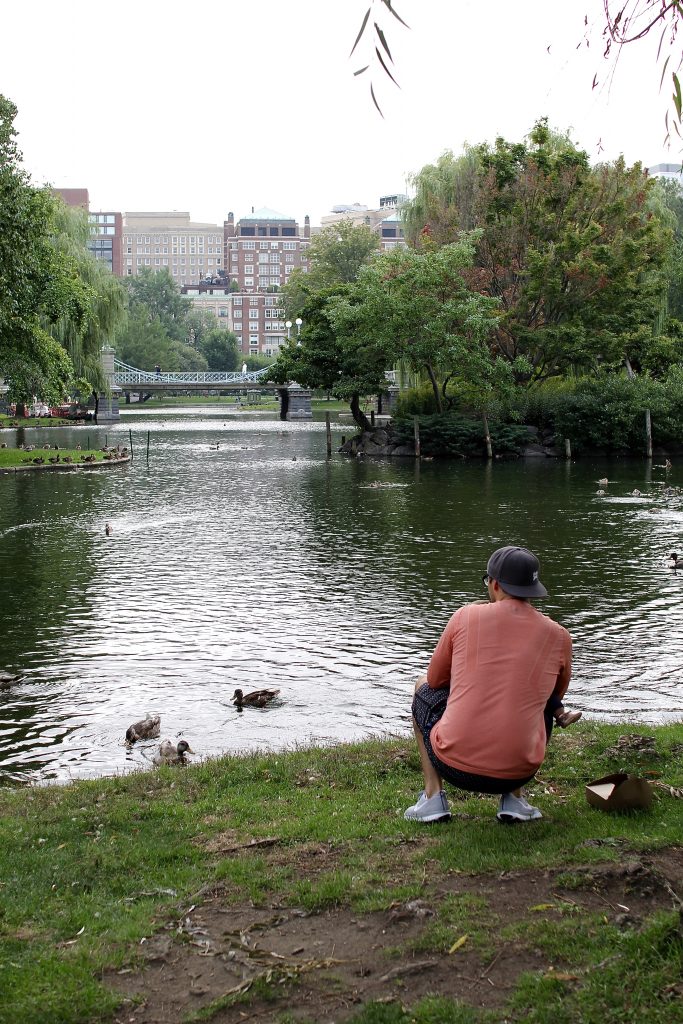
[162,105]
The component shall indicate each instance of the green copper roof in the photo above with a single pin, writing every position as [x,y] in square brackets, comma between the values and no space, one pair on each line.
[265,214]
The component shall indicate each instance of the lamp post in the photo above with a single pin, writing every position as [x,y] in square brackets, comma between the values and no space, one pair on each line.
[288,325]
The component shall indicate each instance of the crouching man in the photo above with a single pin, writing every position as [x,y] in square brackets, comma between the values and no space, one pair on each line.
[484,712]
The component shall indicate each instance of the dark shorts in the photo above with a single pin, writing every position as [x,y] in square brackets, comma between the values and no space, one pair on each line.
[428,708]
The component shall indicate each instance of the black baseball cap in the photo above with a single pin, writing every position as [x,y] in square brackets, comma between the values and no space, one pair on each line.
[516,571]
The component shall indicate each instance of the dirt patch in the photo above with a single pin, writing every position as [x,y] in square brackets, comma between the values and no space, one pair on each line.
[321,966]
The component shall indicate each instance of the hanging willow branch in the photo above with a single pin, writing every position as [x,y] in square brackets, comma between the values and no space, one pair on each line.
[380,52]
[633,20]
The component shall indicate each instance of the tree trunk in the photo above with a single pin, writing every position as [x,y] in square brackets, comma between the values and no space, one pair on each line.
[359,416]
[435,387]
[20,409]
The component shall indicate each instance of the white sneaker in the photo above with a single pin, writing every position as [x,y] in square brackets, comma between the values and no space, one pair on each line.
[427,810]
[516,808]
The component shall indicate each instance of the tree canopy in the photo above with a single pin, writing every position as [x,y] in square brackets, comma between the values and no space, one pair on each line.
[575,255]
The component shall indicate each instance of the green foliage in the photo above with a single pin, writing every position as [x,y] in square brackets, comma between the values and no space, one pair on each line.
[455,435]
[155,294]
[219,348]
[41,283]
[335,257]
[417,307]
[607,412]
[577,256]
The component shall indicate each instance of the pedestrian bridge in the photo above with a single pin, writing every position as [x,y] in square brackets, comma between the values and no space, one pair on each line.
[130,378]
[295,401]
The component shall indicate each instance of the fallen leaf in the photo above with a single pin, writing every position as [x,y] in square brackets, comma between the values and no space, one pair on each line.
[458,943]
[543,906]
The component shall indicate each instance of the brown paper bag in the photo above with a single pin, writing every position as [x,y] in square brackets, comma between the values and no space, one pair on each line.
[619,792]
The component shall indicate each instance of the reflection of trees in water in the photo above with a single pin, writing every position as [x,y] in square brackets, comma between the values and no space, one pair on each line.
[45,566]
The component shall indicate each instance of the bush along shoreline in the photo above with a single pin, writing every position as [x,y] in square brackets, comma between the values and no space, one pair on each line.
[287,886]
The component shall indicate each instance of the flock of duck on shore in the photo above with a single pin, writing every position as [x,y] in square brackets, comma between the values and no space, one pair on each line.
[110,454]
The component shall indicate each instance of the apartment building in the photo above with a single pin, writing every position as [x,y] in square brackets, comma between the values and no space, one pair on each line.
[263,248]
[255,317]
[384,219]
[189,250]
[105,228]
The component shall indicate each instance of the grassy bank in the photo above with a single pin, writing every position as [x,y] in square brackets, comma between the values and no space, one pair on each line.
[92,873]
[34,421]
[12,457]
[318,404]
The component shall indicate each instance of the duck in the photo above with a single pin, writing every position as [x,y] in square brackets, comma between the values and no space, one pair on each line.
[8,679]
[108,530]
[255,699]
[601,493]
[635,493]
[147,729]
[675,561]
[214,447]
[170,753]
[603,481]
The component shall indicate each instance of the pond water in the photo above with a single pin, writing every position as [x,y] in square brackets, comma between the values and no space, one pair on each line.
[260,563]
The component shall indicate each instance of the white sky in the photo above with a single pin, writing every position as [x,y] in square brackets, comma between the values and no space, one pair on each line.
[162,105]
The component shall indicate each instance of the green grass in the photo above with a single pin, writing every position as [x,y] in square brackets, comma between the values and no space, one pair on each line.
[11,457]
[102,856]
[34,421]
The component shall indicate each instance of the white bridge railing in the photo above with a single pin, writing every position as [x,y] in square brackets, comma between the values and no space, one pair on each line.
[125,374]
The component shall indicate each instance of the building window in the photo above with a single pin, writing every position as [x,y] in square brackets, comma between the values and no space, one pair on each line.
[289,245]
[263,245]
[253,314]
[249,281]
[262,231]
[238,314]
[289,231]
[129,271]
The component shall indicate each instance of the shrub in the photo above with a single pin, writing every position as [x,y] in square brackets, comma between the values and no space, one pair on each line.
[453,434]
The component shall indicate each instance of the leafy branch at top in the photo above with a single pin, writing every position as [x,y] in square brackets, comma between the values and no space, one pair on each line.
[376,39]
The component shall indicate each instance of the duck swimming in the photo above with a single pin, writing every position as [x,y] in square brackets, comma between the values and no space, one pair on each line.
[170,753]
[603,481]
[675,561]
[147,729]
[8,679]
[255,699]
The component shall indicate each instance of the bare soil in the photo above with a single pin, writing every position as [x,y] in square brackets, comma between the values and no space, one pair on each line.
[321,966]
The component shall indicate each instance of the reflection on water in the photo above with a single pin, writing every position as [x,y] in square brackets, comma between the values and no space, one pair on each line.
[259,563]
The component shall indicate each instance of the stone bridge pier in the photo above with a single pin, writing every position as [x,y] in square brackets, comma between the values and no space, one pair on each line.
[295,402]
[107,406]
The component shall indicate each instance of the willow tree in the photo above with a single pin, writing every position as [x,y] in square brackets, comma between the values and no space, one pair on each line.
[83,338]
[39,281]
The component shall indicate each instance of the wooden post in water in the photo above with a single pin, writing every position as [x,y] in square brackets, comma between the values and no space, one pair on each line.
[130,441]
[343,440]
[328,435]
[372,417]
[416,431]
[648,433]
[567,448]
[148,445]
[487,437]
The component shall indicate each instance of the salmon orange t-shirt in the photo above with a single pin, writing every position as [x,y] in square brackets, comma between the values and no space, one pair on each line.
[503,660]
